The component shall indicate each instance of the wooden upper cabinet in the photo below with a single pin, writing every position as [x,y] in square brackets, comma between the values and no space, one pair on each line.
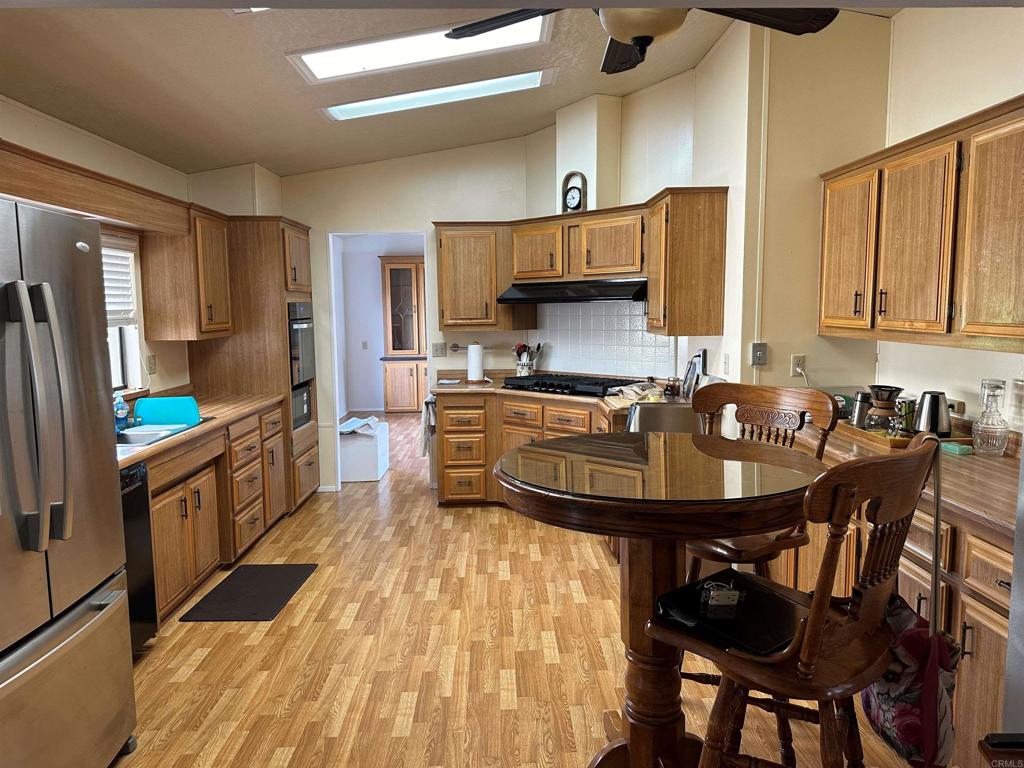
[848,251]
[686,263]
[612,244]
[402,287]
[467,277]
[992,241]
[298,272]
[214,277]
[186,282]
[915,240]
[657,260]
[537,251]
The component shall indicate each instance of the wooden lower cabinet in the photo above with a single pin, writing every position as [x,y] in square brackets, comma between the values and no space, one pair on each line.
[402,387]
[914,585]
[513,437]
[978,700]
[306,474]
[249,524]
[275,479]
[185,537]
[808,560]
[468,484]
[603,479]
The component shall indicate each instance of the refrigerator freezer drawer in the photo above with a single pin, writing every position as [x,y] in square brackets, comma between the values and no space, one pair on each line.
[66,696]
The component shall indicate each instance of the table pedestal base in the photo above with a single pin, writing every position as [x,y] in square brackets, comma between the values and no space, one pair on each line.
[650,732]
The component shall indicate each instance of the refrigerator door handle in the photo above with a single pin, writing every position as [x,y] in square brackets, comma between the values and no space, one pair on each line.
[45,310]
[35,532]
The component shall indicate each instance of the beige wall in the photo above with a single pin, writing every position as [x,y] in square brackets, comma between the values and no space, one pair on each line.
[240,190]
[826,105]
[588,140]
[947,63]
[657,138]
[542,186]
[719,150]
[486,181]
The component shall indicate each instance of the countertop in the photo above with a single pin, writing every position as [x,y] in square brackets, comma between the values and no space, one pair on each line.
[977,491]
[220,412]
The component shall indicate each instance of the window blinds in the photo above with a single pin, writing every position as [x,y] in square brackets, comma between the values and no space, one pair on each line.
[118,276]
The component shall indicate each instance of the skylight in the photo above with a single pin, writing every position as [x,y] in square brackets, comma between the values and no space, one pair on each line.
[410,50]
[445,95]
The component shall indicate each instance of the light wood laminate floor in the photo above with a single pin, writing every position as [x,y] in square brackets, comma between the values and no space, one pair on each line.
[426,637]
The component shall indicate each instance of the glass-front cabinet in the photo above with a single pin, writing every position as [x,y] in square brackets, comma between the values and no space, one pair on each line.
[402,283]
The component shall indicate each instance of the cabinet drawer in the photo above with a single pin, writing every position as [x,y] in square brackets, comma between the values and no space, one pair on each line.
[245,450]
[246,483]
[464,484]
[921,535]
[306,474]
[464,419]
[566,419]
[270,423]
[528,414]
[464,449]
[248,526]
[243,427]
[988,569]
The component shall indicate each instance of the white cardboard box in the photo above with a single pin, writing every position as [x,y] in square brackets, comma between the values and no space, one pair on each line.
[364,453]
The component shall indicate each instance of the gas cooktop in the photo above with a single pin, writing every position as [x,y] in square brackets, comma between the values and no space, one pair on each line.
[565,384]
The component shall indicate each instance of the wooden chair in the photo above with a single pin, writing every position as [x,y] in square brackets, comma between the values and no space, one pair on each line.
[770,415]
[844,643]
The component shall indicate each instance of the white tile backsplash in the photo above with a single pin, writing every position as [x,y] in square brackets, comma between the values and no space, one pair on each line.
[608,337]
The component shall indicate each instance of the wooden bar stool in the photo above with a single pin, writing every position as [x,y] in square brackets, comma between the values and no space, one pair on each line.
[843,645]
[770,415]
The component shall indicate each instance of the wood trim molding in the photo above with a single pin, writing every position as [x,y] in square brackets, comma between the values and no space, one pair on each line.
[560,217]
[31,175]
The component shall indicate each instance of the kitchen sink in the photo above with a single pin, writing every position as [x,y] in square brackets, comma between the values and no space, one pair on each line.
[143,438]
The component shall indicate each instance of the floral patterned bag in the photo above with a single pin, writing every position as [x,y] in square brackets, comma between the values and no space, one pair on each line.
[911,707]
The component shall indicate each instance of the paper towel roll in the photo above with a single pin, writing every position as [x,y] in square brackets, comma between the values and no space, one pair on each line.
[474,363]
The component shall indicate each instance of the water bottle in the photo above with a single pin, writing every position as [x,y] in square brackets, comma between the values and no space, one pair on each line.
[120,414]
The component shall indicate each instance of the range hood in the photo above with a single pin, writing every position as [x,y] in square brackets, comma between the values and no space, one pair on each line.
[575,291]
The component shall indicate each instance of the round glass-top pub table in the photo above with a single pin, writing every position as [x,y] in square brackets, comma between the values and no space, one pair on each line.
[654,490]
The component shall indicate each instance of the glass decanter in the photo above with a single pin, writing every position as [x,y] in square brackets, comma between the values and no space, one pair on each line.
[991,431]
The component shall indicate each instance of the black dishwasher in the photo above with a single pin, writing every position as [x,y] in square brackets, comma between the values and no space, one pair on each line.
[138,546]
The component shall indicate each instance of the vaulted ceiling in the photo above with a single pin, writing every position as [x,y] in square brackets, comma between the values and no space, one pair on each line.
[205,88]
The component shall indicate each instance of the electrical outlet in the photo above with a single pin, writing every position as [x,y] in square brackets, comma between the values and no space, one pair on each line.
[150,364]
[759,353]
[725,363]
[797,363]
[366,345]
[438,349]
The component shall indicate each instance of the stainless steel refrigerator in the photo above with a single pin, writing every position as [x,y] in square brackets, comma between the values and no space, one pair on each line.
[66,696]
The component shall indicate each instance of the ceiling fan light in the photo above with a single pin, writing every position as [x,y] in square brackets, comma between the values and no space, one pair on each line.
[624,24]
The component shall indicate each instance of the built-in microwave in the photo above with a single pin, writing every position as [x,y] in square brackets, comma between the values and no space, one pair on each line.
[300,341]
[302,405]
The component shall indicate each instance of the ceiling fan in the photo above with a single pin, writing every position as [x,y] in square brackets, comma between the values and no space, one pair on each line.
[632,30]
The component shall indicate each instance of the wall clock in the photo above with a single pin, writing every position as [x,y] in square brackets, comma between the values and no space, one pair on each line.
[574,192]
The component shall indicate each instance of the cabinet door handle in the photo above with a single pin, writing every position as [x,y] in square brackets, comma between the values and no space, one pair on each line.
[275,423]
[463,448]
[551,260]
[295,274]
[588,257]
[921,601]
[1004,583]
[856,303]
[209,313]
[964,629]
[309,463]
[252,479]
[197,499]
[412,372]
[184,508]
[883,296]
[463,482]
[252,520]
[487,309]
[270,457]
[250,448]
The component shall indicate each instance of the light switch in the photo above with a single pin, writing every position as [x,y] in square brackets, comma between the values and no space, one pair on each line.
[366,345]
[759,353]
[438,349]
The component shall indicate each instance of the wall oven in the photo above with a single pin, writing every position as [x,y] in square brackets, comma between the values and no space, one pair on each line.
[300,341]
[302,405]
